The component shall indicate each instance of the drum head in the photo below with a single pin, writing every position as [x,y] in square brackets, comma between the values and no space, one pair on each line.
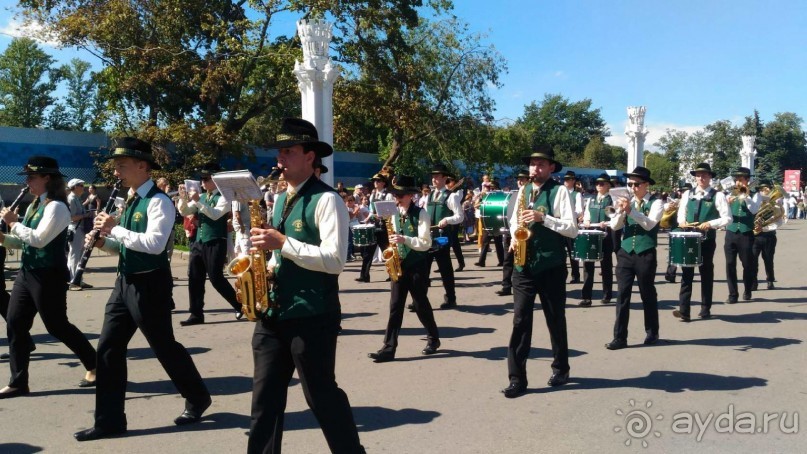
[591,232]
[686,234]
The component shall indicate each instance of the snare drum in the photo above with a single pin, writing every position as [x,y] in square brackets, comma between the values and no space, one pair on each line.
[685,249]
[495,211]
[588,245]
[363,235]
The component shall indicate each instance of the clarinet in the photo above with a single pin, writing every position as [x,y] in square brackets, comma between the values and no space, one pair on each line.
[14,205]
[95,233]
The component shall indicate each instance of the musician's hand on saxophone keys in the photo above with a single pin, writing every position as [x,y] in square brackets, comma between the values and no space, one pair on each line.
[267,239]
[529,216]
[397,239]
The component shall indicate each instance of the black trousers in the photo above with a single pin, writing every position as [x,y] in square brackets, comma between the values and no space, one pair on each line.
[507,264]
[550,287]
[497,243]
[707,272]
[607,267]
[44,291]
[309,346]
[443,258]
[765,244]
[367,252]
[642,268]
[413,281]
[574,266]
[141,301]
[453,233]
[208,259]
[739,244]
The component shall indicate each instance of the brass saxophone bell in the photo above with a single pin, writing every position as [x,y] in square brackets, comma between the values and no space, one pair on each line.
[239,265]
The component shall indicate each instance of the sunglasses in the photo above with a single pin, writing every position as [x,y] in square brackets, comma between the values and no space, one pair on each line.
[634,185]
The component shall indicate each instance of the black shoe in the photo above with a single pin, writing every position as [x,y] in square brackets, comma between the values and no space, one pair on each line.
[770,286]
[670,279]
[192,321]
[755,287]
[459,268]
[5,356]
[97,433]
[192,416]
[389,279]
[84,383]
[651,338]
[22,391]
[479,264]
[449,303]
[500,264]
[617,344]
[362,279]
[558,379]
[431,347]
[381,356]
[411,307]
[731,300]
[680,315]
[606,300]
[575,280]
[585,303]
[504,292]
[747,296]
[705,313]
[514,390]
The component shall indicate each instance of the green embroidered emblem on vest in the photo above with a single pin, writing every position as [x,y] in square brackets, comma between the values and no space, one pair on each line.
[134,219]
[634,237]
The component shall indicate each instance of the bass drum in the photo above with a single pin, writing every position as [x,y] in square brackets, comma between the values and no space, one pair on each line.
[495,211]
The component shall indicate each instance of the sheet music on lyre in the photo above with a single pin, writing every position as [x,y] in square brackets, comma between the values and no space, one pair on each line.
[619,193]
[386,208]
[237,185]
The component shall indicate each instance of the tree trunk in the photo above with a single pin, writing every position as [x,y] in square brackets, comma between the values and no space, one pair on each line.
[395,148]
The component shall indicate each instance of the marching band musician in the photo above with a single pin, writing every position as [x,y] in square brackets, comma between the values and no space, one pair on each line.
[454,230]
[636,258]
[669,275]
[141,298]
[765,241]
[522,178]
[549,217]
[41,284]
[445,211]
[740,235]
[490,236]
[595,216]
[379,193]
[310,243]
[703,208]
[413,239]
[209,251]
[577,206]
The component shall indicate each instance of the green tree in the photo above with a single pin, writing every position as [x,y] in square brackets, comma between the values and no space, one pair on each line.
[783,146]
[601,155]
[81,94]
[566,126]
[27,80]
[722,142]
[663,170]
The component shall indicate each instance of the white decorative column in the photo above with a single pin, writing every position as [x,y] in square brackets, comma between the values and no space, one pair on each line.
[315,78]
[636,133]
[748,153]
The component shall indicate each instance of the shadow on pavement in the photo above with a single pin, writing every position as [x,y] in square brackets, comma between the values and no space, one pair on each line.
[19,448]
[446,332]
[368,419]
[218,386]
[744,343]
[762,317]
[667,381]
[500,353]
[147,353]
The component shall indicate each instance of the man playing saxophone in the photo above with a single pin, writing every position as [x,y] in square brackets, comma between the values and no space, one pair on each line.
[705,209]
[412,238]
[547,212]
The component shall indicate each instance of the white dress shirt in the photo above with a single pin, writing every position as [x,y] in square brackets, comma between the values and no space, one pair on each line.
[720,203]
[160,214]
[332,220]
[186,207]
[564,221]
[423,241]
[55,219]
[647,222]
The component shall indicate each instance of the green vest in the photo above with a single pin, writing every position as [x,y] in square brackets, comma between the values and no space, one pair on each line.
[596,210]
[409,227]
[545,248]
[52,254]
[298,291]
[742,218]
[706,212]
[438,209]
[135,219]
[634,237]
[210,229]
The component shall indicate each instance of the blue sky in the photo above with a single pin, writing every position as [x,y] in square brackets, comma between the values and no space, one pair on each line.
[689,62]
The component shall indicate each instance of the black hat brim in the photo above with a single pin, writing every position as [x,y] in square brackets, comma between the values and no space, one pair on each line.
[126,153]
[642,177]
[321,149]
[693,172]
[43,172]
[558,166]
[401,190]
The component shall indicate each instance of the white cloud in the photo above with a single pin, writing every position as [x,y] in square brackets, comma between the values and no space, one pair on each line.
[560,74]
[30,29]
[655,132]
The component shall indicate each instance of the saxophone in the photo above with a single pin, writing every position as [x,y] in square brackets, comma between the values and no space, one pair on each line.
[253,283]
[522,233]
[391,255]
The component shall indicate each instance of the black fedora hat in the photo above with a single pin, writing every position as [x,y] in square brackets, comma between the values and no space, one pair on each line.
[570,175]
[543,152]
[41,165]
[742,172]
[685,187]
[403,184]
[643,173]
[604,178]
[296,131]
[380,177]
[209,169]
[523,173]
[703,167]
[441,169]
[133,148]
[323,169]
